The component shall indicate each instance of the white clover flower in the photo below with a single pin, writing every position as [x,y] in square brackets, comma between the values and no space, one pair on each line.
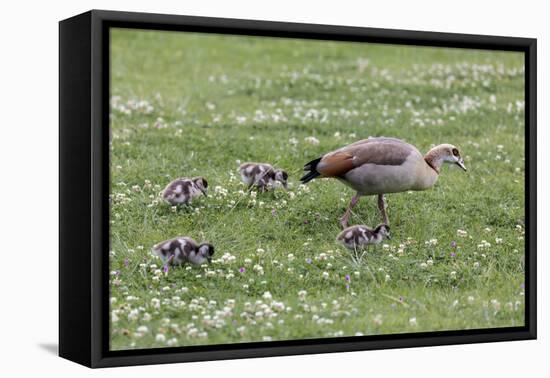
[133,314]
[172,342]
[293,141]
[430,262]
[498,240]
[412,322]
[160,338]
[470,299]
[155,302]
[143,329]
[423,265]
[302,294]
[461,233]
[202,335]
[114,317]
[227,258]
[278,306]
[453,275]
[484,245]
[325,275]
[311,140]
[146,317]
[322,257]
[290,257]
[378,320]
[258,269]
[267,296]
[476,264]
[431,242]
[113,300]
[260,251]
[192,332]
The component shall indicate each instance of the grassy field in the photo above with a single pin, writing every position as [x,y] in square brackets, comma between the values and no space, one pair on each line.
[194,105]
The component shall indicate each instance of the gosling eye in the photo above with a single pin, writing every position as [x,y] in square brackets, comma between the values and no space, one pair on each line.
[455,152]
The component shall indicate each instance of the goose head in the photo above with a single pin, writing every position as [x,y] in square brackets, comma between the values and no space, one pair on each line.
[444,153]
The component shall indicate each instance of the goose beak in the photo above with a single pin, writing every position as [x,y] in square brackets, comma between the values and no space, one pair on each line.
[204,191]
[460,163]
[388,236]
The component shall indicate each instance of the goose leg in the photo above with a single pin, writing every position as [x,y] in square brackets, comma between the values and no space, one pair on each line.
[345,218]
[382,208]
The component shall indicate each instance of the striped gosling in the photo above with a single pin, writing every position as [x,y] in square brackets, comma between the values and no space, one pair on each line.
[183,190]
[262,175]
[359,236]
[182,250]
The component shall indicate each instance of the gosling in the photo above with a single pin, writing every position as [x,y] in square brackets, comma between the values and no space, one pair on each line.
[359,236]
[182,249]
[183,190]
[262,175]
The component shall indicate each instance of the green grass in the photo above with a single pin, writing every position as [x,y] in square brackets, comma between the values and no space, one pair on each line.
[190,105]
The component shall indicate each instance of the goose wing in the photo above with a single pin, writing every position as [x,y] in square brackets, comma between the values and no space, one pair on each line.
[379,151]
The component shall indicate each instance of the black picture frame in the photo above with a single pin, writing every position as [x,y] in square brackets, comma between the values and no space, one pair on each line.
[84,187]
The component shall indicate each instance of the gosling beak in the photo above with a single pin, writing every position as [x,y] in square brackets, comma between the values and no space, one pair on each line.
[285,185]
[204,191]
[388,236]
[460,163]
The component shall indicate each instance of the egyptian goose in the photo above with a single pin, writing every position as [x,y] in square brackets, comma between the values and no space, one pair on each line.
[262,175]
[183,249]
[382,165]
[359,236]
[183,190]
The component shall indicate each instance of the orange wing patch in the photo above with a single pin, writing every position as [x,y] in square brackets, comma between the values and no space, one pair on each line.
[335,164]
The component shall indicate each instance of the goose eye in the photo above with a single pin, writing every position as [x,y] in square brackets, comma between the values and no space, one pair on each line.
[455,152]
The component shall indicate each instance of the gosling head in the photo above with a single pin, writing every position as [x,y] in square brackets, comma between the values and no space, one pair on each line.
[201,184]
[282,177]
[206,251]
[383,230]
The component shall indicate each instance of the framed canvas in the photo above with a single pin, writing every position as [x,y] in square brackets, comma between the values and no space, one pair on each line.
[234,188]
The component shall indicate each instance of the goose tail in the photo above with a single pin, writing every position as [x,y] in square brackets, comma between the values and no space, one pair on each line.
[311,171]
